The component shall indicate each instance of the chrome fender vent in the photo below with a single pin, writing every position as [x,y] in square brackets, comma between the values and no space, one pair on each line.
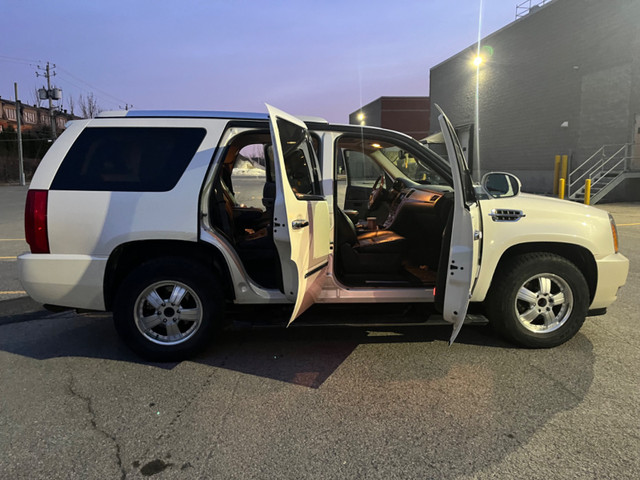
[503,215]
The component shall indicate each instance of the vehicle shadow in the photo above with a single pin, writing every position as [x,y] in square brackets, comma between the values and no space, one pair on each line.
[308,356]
[446,411]
[305,355]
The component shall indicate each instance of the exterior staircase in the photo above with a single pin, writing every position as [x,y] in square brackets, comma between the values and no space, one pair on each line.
[607,168]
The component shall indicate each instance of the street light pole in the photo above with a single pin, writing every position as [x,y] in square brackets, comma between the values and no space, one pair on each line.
[19,122]
[478,62]
[476,141]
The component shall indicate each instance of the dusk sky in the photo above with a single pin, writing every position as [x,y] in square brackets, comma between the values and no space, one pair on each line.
[307,57]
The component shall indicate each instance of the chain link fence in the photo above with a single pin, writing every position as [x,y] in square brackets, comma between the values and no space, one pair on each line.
[34,145]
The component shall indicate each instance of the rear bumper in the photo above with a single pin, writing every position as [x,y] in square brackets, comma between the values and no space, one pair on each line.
[74,281]
[612,274]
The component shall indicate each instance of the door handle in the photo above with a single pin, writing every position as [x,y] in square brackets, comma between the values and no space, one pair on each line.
[296,224]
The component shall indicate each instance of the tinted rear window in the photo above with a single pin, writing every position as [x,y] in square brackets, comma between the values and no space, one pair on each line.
[134,159]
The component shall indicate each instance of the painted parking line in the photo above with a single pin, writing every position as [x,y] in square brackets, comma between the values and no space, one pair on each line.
[13,292]
[627,224]
[8,258]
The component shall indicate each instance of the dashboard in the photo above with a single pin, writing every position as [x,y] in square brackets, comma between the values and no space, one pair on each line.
[419,213]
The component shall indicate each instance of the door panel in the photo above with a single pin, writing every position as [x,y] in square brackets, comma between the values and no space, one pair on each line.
[301,214]
[460,268]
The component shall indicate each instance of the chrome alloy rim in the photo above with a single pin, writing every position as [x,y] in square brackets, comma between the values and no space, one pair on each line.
[168,312]
[544,303]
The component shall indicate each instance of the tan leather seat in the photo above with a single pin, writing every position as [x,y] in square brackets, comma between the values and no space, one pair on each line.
[379,251]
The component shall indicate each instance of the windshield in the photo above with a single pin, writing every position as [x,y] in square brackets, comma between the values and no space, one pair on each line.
[395,160]
[409,166]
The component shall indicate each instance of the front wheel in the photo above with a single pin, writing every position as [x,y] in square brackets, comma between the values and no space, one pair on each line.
[538,300]
[167,309]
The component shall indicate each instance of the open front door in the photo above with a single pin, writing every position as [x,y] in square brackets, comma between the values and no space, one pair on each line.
[301,214]
[461,267]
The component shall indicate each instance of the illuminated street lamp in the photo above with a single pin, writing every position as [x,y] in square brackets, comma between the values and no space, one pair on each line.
[360,118]
[477,61]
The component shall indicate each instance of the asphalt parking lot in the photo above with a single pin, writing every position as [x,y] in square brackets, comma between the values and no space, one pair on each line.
[315,402]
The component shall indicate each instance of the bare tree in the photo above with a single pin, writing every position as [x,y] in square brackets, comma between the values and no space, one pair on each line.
[72,104]
[35,97]
[89,107]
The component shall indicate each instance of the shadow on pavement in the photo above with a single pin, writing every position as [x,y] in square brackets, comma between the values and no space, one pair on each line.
[305,355]
[423,409]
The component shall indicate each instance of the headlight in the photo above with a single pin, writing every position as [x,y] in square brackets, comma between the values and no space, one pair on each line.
[614,232]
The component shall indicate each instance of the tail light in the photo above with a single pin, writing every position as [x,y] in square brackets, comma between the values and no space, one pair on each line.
[35,221]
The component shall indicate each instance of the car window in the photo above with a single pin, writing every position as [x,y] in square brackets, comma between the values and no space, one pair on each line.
[356,169]
[140,159]
[361,170]
[299,159]
[362,160]
[410,166]
[249,175]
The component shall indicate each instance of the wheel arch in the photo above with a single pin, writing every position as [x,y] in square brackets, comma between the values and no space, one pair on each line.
[581,257]
[128,256]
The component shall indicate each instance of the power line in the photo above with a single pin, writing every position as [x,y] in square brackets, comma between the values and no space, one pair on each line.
[18,60]
[119,100]
[84,89]
[63,72]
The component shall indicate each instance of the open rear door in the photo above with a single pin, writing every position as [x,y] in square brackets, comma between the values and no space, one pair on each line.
[301,214]
[461,266]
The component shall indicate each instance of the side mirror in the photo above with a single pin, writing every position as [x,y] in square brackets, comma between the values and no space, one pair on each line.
[501,184]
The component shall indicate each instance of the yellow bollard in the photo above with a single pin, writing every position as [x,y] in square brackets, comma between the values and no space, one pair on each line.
[556,175]
[587,191]
[565,166]
[561,189]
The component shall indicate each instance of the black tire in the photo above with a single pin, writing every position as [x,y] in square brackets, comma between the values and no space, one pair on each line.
[550,308]
[175,331]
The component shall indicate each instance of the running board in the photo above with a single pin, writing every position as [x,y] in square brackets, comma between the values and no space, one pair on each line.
[433,320]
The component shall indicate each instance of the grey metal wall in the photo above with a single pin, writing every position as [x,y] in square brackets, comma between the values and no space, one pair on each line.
[575,61]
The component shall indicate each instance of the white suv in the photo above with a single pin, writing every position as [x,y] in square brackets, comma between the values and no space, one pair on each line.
[166,217]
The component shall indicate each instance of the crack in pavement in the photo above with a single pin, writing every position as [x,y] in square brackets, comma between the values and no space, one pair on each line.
[225,414]
[557,382]
[89,402]
[203,385]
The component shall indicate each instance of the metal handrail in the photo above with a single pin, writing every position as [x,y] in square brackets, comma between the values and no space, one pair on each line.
[604,162]
[597,166]
[600,152]
[610,170]
[525,7]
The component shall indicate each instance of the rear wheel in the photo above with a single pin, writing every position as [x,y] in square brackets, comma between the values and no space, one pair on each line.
[538,300]
[168,309]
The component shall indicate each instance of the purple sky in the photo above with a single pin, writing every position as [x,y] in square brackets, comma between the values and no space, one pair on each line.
[306,57]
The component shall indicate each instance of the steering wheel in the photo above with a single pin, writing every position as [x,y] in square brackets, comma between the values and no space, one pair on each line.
[376,193]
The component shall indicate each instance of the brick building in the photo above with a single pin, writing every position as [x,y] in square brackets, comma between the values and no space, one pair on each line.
[32,117]
[564,78]
[408,115]
[36,136]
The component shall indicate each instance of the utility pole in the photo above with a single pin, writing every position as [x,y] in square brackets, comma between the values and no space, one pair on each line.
[50,94]
[19,121]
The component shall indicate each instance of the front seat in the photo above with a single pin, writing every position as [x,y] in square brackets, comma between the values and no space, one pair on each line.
[380,251]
